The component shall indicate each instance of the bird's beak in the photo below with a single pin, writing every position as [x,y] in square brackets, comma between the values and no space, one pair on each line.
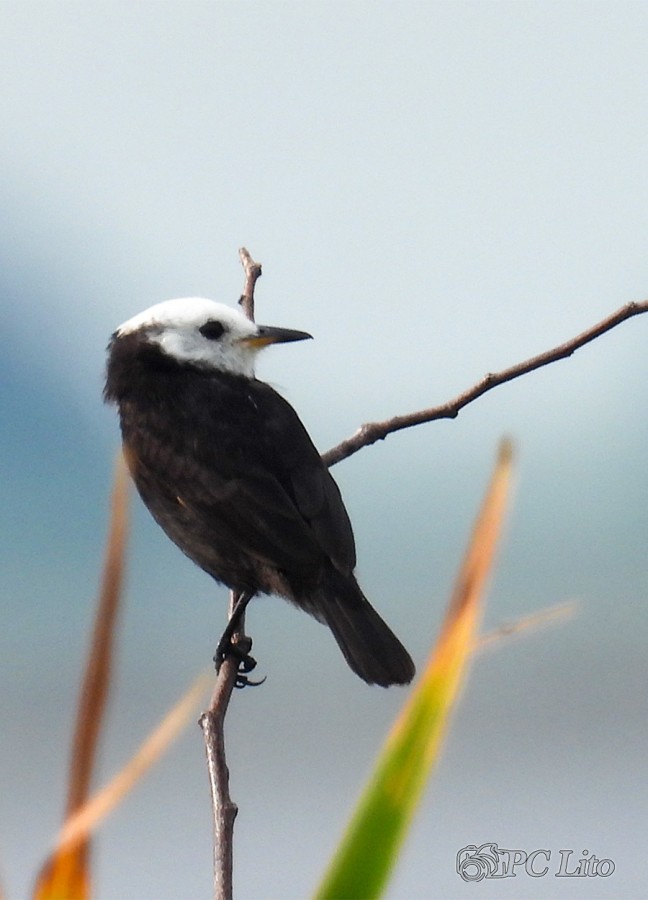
[268,334]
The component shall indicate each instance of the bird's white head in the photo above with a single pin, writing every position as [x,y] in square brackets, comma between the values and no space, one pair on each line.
[207,334]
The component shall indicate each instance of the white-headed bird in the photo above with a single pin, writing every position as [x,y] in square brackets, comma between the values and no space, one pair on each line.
[229,472]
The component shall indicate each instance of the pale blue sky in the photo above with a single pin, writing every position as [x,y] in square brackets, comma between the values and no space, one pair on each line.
[435,191]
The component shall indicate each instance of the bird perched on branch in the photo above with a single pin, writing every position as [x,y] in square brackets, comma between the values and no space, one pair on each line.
[228,471]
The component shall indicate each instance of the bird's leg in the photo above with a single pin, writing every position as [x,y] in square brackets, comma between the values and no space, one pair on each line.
[234,623]
[239,648]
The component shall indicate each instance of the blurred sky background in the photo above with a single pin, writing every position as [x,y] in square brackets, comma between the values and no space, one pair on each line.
[436,190]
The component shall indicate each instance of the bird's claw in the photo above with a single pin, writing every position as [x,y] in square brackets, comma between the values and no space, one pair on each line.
[243,681]
[240,649]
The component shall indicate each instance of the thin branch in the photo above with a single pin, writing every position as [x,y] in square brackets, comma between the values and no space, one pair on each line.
[377,431]
[224,810]
[212,721]
[253,272]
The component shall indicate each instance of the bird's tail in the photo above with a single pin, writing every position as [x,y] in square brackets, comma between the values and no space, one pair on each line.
[369,646]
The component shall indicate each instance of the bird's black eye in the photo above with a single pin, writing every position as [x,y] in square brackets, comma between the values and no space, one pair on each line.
[212,330]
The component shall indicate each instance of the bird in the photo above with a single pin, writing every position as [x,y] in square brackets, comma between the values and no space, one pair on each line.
[230,473]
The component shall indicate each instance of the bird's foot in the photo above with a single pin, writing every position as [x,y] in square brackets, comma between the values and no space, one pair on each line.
[240,650]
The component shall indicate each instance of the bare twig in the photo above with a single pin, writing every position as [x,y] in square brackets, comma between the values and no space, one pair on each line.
[376,431]
[224,810]
[212,721]
[252,273]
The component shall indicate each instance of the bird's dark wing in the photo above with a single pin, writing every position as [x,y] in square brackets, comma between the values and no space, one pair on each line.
[298,468]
